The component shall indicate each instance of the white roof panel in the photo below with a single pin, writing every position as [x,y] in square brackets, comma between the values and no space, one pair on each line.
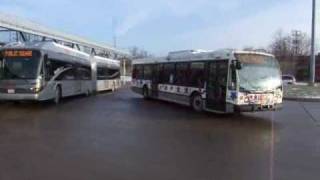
[196,55]
[19,24]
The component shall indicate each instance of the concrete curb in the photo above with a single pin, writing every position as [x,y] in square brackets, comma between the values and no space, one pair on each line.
[303,99]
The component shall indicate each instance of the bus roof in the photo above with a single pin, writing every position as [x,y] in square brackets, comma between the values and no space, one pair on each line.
[105,61]
[47,46]
[197,55]
[58,48]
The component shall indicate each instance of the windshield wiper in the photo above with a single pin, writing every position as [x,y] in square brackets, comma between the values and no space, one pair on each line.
[245,90]
[255,91]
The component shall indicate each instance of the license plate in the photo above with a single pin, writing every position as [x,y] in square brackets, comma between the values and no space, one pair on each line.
[11,91]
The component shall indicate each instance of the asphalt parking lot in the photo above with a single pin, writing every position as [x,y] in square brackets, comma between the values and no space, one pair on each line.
[121,136]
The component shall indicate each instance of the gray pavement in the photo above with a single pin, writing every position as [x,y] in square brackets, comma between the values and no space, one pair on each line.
[123,137]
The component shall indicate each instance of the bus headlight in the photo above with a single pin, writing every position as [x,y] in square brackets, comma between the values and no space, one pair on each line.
[36,89]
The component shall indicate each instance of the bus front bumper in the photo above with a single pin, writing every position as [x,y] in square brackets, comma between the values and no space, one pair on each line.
[19,97]
[254,108]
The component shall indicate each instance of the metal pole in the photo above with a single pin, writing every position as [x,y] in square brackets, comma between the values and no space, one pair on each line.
[124,68]
[313,58]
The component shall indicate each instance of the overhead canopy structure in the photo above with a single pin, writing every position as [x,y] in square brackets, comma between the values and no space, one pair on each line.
[22,26]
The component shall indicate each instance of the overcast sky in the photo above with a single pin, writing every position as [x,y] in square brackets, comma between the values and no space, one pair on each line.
[163,25]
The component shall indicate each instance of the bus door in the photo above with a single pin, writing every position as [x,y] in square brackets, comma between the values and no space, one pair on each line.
[155,80]
[217,85]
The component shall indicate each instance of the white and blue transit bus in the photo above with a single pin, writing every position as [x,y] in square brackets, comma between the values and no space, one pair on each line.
[225,81]
[42,71]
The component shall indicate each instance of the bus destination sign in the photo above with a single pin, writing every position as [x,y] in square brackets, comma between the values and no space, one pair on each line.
[18,53]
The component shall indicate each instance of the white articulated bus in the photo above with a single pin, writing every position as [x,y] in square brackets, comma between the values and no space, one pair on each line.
[225,81]
[43,71]
[108,73]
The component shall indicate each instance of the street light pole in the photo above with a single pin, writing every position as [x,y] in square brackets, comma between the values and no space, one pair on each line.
[313,58]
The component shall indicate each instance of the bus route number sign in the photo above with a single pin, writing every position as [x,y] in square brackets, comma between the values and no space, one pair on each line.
[18,53]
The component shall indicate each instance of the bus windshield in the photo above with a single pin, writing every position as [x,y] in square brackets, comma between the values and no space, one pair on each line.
[258,73]
[19,65]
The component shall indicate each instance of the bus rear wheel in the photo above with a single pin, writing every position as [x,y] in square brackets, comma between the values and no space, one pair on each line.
[196,103]
[145,92]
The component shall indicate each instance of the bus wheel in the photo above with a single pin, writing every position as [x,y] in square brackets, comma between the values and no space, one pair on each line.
[88,93]
[196,103]
[145,92]
[57,97]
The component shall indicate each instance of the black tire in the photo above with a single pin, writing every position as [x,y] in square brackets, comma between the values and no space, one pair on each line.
[197,103]
[16,102]
[88,93]
[145,92]
[57,97]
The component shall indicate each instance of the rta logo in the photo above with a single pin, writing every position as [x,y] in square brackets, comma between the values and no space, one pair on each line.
[234,95]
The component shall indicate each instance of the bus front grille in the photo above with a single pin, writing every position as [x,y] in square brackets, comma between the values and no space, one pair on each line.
[17,91]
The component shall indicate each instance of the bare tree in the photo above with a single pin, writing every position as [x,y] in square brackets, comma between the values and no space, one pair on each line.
[304,45]
[138,53]
[288,45]
[280,45]
[289,48]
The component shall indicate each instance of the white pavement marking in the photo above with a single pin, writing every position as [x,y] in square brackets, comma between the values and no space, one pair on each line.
[272,142]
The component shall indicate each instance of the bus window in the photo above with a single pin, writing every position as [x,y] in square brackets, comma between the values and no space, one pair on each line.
[67,75]
[134,72]
[1,65]
[168,74]
[155,73]
[21,64]
[102,73]
[197,75]
[161,73]
[223,73]
[113,73]
[147,71]
[213,75]
[182,70]
[84,73]
[137,72]
[233,80]
[51,66]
